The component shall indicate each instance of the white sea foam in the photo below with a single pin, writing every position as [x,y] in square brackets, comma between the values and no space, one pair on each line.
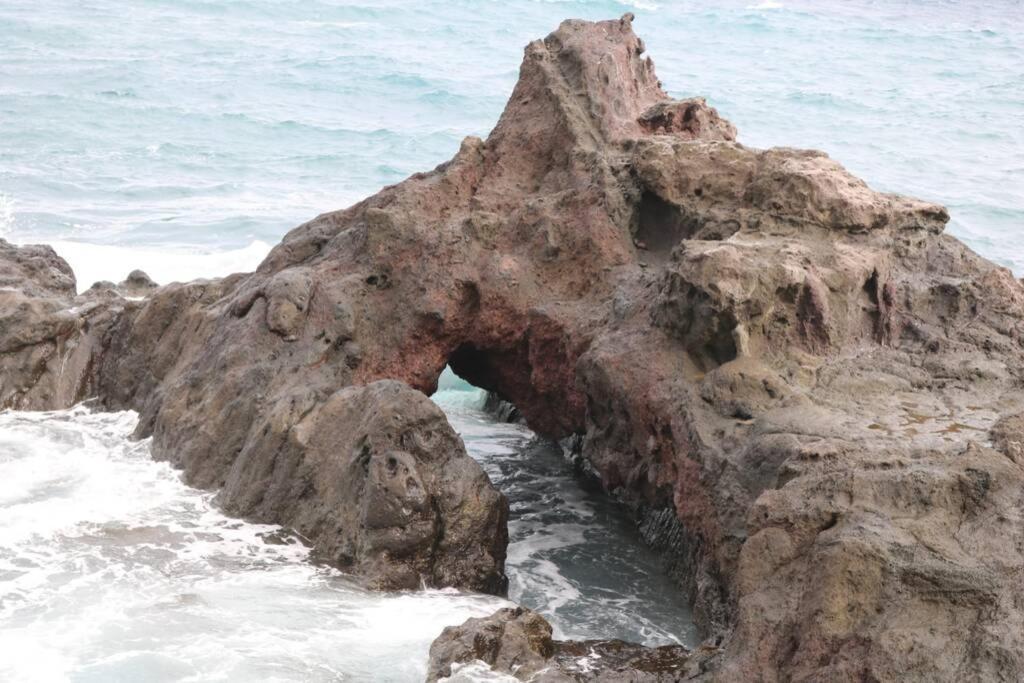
[642,4]
[308,23]
[95,262]
[112,569]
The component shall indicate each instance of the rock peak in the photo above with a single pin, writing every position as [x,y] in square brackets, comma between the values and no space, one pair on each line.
[812,391]
[592,80]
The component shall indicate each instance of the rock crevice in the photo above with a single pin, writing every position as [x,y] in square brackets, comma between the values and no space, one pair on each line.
[821,386]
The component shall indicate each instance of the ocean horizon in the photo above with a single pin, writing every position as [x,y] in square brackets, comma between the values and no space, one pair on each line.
[186,138]
[666,390]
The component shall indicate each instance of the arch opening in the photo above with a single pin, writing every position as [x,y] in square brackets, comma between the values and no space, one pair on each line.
[572,547]
[482,369]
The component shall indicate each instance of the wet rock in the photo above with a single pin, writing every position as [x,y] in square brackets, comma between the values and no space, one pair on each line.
[511,640]
[816,383]
[137,284]
[376,479]
[503,411]
[518,642]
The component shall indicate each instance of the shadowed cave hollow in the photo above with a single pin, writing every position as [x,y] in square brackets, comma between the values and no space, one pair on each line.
[503,376]
[661,225]
[575,554]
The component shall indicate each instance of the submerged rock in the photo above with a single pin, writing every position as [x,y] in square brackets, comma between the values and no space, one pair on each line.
[500,409]
[818,387]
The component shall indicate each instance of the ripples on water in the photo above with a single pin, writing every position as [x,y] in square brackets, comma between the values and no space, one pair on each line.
[573,553]
[217,124]
[186,137]
[112,569]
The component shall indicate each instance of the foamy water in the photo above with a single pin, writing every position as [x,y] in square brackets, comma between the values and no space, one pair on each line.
[573,553]
[202,126]
[111,569]
[95,262]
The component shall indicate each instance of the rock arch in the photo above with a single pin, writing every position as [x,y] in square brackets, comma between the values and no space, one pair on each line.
[745,380]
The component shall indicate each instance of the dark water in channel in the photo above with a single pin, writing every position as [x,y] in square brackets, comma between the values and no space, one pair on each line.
[574,554]
[112,569]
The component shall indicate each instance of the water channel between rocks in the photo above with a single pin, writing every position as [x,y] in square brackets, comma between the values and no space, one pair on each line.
[112,569]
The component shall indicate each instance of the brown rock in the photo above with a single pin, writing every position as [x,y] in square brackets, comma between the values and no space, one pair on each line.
[1008,437]
[518,642]
[49,341]
[137,284]
[376,479]
[805,376]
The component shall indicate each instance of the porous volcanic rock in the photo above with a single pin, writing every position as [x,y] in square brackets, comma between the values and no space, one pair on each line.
[517,641]
[808,390]
[49,339]
[377,480]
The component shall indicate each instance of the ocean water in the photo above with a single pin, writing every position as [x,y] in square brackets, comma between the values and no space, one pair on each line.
[185,137]
[111,569]
[573,553]
[196,132]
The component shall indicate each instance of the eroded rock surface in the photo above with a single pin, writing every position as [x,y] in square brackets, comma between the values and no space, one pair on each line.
[809,390]
[379,482]
[371,476]
[50,339]
[518,642]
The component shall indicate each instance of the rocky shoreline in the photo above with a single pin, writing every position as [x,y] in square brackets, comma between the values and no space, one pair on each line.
[824,391]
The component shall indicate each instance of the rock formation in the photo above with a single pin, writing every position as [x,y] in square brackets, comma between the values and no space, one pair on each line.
[372,476]
[811,394]
[48,338]
[377,479]
[518,640]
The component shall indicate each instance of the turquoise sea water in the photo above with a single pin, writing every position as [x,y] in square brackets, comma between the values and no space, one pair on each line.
[111,569]
[215,126]
[186,136]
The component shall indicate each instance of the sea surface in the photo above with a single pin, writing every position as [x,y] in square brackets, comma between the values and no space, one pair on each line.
[186,137]
[111,569]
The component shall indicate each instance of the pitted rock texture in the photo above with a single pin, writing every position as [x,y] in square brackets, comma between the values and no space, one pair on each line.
[49,340]
[379,482]
[821,386]
[518,642]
